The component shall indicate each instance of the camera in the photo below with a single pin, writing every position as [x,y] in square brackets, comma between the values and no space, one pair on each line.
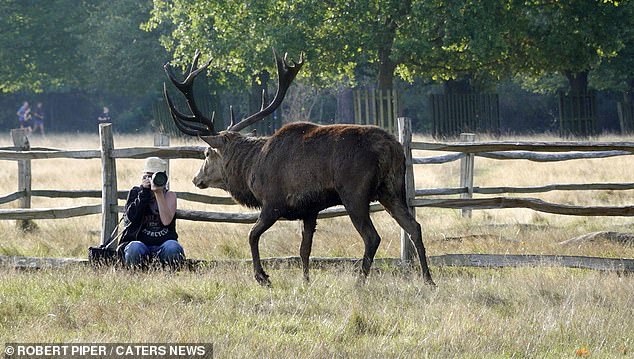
[159,179]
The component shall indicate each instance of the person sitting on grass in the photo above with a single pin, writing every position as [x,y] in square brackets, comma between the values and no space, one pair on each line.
[150,230]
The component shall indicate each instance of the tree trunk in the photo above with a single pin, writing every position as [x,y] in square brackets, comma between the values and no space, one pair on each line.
[578,81]
[386,69]
[626,109]
[386,79]
[386,63]
[345,106]
[628,94]
[385,40]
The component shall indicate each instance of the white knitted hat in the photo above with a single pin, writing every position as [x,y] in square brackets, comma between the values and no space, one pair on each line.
[154,164]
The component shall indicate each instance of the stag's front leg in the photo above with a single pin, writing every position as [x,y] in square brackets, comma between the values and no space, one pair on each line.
[310,223]
[264,222]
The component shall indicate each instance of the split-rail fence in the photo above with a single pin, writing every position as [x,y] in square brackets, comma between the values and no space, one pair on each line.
[464,151]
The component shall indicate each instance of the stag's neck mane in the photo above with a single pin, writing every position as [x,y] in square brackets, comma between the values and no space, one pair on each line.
[239,155]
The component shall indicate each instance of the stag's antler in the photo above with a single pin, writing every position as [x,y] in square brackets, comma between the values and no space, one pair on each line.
[199,125]
[286,74]
[196,124]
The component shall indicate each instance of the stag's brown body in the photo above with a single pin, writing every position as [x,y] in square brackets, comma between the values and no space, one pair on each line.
[302,169]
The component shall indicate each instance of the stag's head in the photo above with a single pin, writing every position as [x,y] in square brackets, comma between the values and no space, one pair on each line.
[211,173]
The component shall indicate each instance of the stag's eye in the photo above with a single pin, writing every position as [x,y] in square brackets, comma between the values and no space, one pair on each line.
[207,151]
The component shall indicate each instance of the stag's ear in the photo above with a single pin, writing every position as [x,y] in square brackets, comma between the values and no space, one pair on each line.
[217,141]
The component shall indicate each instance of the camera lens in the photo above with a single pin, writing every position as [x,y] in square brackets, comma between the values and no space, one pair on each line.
[159,179]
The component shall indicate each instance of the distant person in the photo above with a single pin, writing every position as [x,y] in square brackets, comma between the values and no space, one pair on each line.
[38,118]
[24,115]
[105,116]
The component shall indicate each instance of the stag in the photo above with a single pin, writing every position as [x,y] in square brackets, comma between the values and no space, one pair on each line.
[300,170]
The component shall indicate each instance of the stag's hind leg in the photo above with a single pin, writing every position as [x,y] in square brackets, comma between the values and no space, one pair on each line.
[264,222]
[359,212]
[310,223]
[399,211]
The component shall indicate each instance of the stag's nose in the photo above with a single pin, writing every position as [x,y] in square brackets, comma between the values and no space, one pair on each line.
[198,182]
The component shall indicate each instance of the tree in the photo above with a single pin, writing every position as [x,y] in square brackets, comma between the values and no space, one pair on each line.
[85,53]
[117,56]
[463,43]
[617,72]
[570,38]
[339,37]
[39,51]
[433,39]
[64,44]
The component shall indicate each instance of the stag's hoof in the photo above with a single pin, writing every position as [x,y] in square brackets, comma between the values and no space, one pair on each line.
[263,279]
[361,279]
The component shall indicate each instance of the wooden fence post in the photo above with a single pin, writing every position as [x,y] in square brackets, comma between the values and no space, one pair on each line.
[109,214]
[466,172]
[405,138]
[162,140]
[21,143]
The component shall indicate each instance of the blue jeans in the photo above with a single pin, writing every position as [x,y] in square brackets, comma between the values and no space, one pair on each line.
[170,252]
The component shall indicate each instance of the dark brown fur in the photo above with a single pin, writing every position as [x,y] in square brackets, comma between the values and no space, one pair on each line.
[305,168]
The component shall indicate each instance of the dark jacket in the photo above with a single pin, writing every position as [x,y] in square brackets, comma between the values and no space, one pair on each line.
[137,204]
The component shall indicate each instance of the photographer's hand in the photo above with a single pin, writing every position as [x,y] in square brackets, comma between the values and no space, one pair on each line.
[156,189]
[146,182]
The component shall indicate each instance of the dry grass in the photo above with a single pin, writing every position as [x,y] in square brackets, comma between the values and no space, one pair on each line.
[543,313]
[474,313]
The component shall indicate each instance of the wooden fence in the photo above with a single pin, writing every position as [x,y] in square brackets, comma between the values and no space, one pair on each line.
[376,107]
[578,114]
[464,151]
[455,114]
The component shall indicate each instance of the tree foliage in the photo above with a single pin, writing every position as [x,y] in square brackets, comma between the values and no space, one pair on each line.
[572,38]
[39,49]
[95,45]
[116,54]
[434,39]
[65,44]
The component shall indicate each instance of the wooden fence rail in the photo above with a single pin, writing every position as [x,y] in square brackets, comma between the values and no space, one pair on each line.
[536,189]
[531,151]
[480,147]
[521,155]
[530,203]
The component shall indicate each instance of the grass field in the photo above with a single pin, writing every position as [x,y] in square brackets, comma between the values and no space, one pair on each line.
[473,313]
